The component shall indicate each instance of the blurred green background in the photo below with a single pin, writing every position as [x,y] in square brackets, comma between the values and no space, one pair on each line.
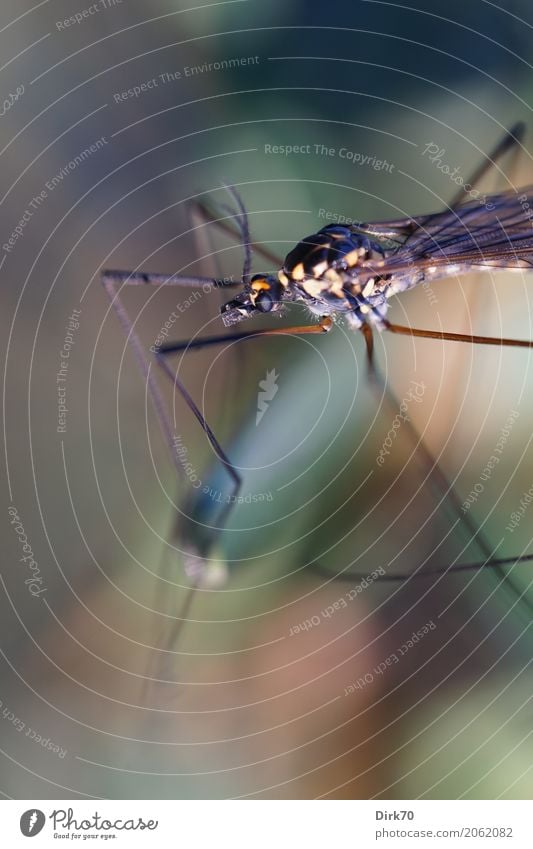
[241,704]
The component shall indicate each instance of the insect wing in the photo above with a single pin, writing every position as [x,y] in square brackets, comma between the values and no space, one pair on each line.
[495,234]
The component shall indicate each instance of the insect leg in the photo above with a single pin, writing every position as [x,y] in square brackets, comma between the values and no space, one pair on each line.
[440,478]
[196,561]
[324,326]
[476,533]
[239,228]
[495,563]
[512,140]
[226,462]
[177,612]
[369,342]
[113,281]
[235,224]
[435,475]
[436,472]
[404,330]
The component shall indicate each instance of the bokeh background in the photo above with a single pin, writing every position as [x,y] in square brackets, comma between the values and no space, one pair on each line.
[103,695]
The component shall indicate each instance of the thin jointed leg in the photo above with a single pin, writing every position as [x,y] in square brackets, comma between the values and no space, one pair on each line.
[404,330]
[511,140]
[324,326]
[111,282]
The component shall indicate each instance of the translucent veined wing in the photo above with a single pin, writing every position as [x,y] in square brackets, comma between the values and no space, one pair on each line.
[497,233]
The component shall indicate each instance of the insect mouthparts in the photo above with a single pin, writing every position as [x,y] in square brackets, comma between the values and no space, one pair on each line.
[236,310]
[232,316]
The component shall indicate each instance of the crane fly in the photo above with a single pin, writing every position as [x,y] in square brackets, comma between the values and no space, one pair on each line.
[345,274]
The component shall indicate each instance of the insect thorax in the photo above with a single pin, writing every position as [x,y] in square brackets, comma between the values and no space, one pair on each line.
[325,270]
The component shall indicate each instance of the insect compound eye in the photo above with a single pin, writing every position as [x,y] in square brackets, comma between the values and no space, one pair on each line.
[264,302]
[266,292]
